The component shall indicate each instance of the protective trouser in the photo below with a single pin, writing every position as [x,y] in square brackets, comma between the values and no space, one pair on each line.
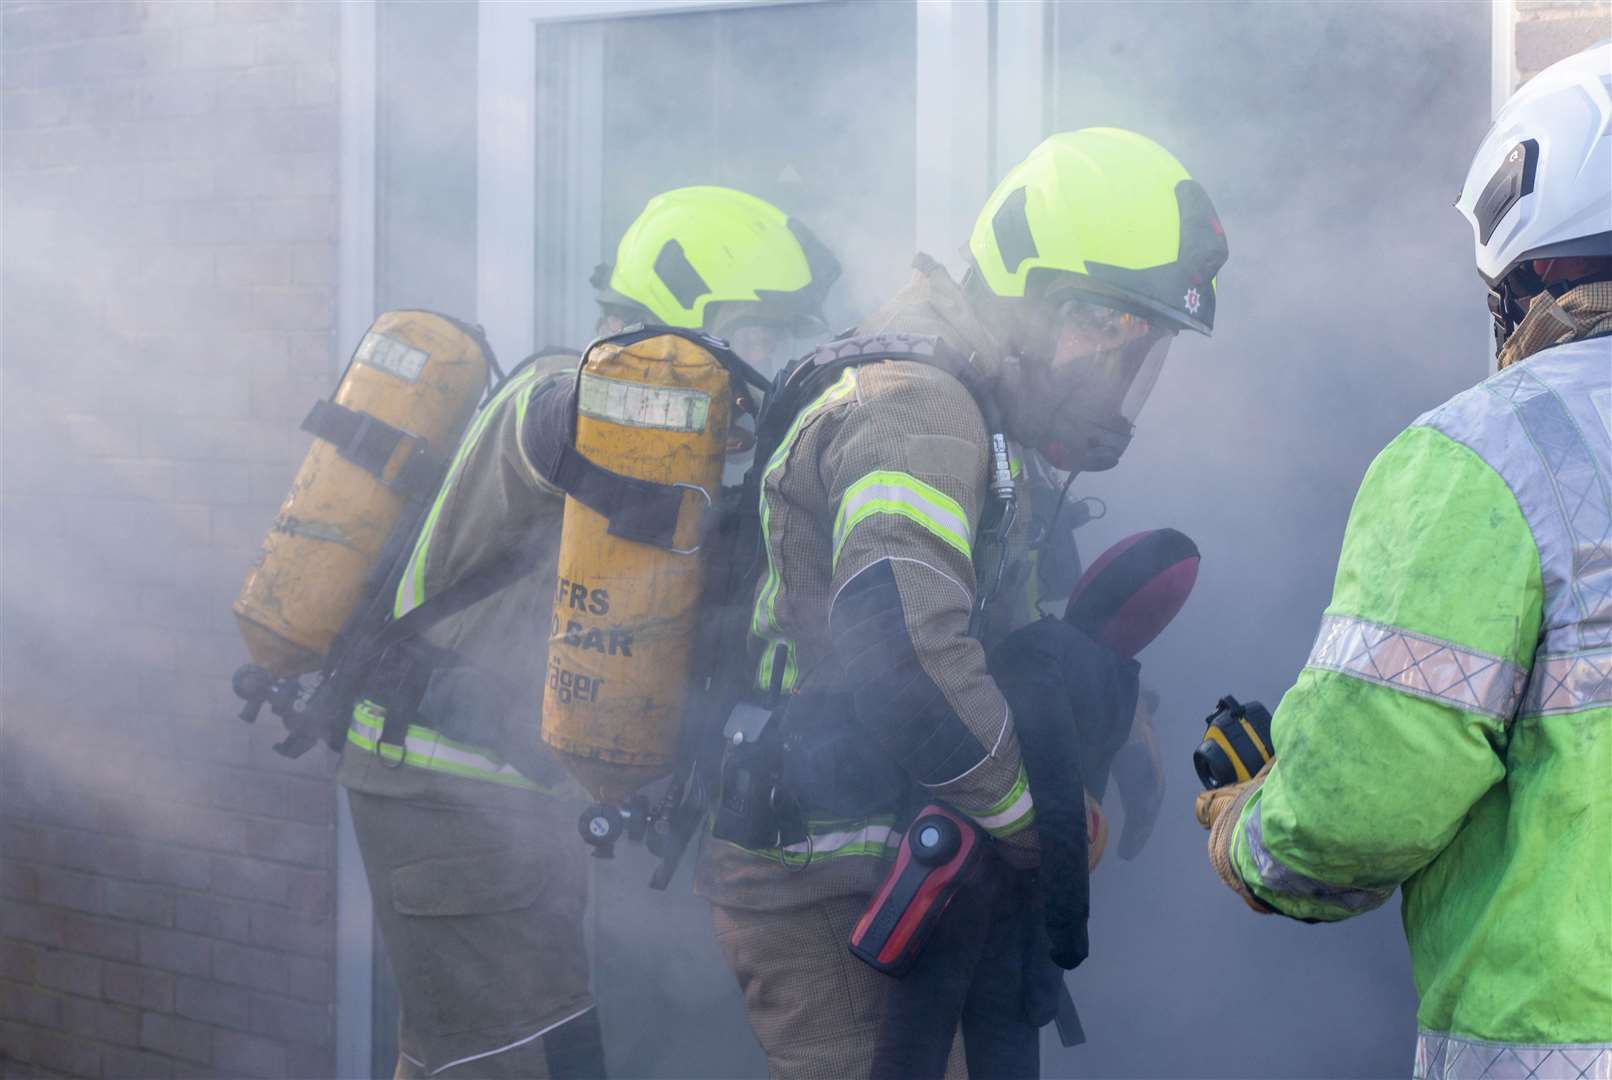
[815,1008]
[983,972]
[480,909]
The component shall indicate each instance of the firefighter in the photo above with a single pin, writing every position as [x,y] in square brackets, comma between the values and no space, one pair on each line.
[1089,258]
[466,827]
[1451,733]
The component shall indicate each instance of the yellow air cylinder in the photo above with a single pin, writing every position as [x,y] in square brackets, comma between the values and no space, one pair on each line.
[415,371]
[624,612]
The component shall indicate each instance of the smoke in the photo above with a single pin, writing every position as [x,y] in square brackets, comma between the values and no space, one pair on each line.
[1332,138]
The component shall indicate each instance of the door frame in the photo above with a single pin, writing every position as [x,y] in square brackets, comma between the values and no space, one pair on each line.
[969,123]
[355,310]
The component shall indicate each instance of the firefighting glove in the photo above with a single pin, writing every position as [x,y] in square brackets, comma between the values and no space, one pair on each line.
[1219,810]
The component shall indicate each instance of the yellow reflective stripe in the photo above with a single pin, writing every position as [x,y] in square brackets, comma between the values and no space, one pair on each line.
[765,616]
[411,589]
[427,749]
[874,836]
[769,660]
[1011,813]
[903,495]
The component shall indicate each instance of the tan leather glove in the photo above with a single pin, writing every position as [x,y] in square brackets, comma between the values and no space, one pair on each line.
[1218,810]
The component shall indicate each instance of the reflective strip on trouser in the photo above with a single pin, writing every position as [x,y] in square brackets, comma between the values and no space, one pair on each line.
[426,749]
[1280,878]
[836,839]
[1452,1057]
[1011,813]
[764,621]
[1416,664]
[904,495]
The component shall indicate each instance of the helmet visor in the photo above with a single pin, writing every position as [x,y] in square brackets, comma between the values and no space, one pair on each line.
[1145,373]
[1108,359]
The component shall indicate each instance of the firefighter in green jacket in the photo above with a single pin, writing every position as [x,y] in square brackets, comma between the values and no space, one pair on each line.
[466,827]
[1451,734]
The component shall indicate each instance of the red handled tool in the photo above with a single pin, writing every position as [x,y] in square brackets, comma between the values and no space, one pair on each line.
[940,853]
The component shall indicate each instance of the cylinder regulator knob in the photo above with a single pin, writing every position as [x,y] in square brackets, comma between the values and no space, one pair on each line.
[600,826]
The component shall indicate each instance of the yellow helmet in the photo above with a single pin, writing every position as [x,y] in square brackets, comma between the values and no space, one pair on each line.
[696,247]
[1107,212]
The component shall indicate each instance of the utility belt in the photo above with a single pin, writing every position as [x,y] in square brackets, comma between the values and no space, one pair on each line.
[425,695]
[806,761]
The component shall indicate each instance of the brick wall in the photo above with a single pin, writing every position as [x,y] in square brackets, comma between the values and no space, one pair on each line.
[1551,30]
[169,261]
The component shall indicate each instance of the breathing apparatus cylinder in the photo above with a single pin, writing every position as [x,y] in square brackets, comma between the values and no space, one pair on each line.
[1236,743]
[401,405]
[651,408]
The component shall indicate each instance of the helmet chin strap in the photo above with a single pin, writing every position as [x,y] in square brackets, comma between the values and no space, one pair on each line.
[1509,304]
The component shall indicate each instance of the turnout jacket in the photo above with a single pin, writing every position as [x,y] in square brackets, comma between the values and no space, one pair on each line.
[869,510]
[1451,734]
[478,714]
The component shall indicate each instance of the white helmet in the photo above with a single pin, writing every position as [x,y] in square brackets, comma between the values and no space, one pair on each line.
[1540,185]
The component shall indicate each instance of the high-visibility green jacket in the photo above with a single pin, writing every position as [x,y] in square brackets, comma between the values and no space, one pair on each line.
[1451,733]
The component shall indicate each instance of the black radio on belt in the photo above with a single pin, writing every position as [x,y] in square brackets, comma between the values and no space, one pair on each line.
[1236,743]
[745,811]
[940,853]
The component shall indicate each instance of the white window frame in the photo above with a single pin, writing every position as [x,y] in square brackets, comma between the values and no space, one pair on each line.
[355,310]
[1502,53]
[954,75]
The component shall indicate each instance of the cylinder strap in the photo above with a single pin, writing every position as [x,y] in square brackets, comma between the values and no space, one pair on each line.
[638,510]
[370,443]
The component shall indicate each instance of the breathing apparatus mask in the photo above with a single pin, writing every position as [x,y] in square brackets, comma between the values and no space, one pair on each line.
[1079,386]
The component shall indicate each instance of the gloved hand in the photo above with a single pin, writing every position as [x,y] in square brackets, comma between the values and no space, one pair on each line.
[1218,810]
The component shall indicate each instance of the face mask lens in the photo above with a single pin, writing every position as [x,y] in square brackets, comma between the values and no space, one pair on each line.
[1094,327]
[1147,366]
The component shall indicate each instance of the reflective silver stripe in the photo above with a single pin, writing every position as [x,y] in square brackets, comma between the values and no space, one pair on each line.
[868,838]
[905,495]
[1281,878]
[1009,821]
[1441,1056]
[426,749]
[1563,684]
[1415,664]
[875,837]
[1579,504]
[1536,424]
